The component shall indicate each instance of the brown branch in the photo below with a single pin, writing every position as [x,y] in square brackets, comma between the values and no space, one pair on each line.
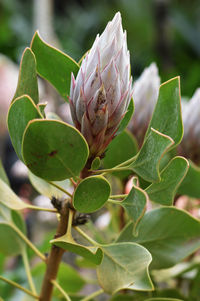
[55,256]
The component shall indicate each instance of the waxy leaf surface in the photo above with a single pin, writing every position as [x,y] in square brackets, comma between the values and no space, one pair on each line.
[3,175]
[54,65]
[96,163]
[93,254]
[21,111]
[135,204]
[191,183]
[122,148]
[167,114]
[129,262]
[172,175]
[127,117]
[27,82]
[11,244]
[147,162]
[168,233]
[54,150]
[9,199]
[70,279]
[91,194]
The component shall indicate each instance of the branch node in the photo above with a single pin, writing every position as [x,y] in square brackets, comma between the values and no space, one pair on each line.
[81,219]
[56,203]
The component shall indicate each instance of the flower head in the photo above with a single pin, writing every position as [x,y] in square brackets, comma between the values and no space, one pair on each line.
[101,92]
[190,144]
[145,95]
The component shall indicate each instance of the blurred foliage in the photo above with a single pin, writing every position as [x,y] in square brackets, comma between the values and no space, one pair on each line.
[15,27]
[158,30]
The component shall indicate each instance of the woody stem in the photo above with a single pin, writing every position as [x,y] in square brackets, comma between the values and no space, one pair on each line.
[55,256]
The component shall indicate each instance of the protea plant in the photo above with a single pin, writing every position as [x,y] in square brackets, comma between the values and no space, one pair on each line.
[102,90]
[145,95]
[190,144]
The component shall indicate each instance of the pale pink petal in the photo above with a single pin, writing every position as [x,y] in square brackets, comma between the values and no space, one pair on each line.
[96,103]
[101,121]
[92,84]
[109,75]
[72,86]
[80,106]
[86,129]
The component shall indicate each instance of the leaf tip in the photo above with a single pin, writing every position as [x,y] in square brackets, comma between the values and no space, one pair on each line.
[36,34]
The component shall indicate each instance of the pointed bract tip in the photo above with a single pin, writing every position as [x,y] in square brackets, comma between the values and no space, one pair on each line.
[117,16]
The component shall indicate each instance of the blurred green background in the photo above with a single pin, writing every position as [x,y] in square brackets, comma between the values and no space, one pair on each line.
[164,31]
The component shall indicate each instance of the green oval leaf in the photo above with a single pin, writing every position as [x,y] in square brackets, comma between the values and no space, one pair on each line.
[129,262]
[148,159]
[96,163]
[18,220]
[135,204]
[122,147]
[10,242]
[54,150]
[91,194]
[94,254]
[9,199]
[54,65]
[168,233]
[3,174]
[190,185]
[27,82]
[82,262]
[171,177]
[167,117]
[69,279]
[21,111]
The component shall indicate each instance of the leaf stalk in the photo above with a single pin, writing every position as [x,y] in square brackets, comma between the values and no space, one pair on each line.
[15,284]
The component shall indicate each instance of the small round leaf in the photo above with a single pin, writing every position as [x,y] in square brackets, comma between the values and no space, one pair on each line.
[91,194]
[96,163]
[54,150]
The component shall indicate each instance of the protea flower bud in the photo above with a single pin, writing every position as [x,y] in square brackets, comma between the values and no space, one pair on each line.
[145,95]
[190,144]
[101,92]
